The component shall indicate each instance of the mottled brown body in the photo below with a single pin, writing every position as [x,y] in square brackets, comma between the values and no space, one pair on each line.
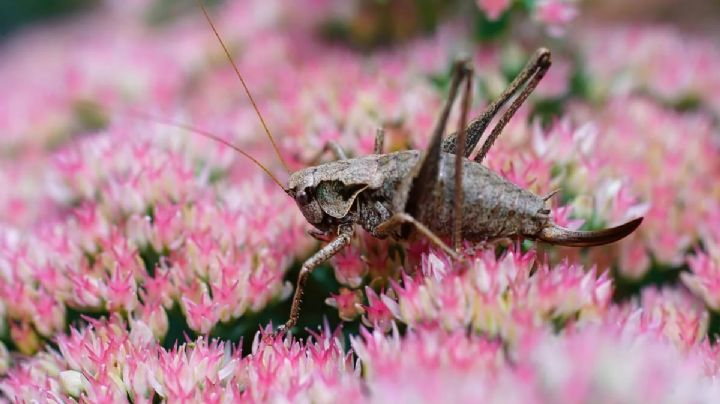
[493,207]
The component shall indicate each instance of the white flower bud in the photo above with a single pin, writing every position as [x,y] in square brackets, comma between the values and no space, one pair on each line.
[73,383]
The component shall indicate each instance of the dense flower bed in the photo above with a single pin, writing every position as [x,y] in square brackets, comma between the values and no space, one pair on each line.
[140,261]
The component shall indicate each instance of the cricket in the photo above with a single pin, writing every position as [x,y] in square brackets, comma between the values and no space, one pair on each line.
[438,193]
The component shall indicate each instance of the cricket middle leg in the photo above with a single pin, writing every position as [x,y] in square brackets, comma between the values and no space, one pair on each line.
[387,227]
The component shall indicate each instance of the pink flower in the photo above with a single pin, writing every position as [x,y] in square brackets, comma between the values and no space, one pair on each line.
[348,302]
[4,359]
[704,278]
[555,14]
[349,267]
[670,65]
[569,368]
[493,8]
[201,315]
[379,310]
[106,362]
[428,365]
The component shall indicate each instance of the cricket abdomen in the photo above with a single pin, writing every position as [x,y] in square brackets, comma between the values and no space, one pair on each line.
[493,207]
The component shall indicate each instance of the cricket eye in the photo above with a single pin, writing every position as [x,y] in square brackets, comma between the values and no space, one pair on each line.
[302,197]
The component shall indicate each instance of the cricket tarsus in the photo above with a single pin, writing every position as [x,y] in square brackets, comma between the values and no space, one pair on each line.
[242,81]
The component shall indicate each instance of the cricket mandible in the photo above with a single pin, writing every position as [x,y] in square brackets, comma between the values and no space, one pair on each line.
[438,193]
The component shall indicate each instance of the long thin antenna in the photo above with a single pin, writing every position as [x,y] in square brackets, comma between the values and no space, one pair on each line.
[208,135]
[247,91]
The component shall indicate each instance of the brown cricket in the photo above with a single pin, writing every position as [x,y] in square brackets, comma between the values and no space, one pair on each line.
[438,193]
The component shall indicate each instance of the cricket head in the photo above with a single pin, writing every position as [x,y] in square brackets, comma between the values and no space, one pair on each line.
[302,190]
[324,203]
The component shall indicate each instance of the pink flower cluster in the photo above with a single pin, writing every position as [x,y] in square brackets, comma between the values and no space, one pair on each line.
[595,363]
[140,219]
[553,14]
[623,361]
[106,363]
[128,200]
[704,275]
[676,68]
[503,297]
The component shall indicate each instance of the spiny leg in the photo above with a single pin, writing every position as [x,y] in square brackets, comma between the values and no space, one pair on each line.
[386,228]
[345,234]
[541,66]
[416,187]
[379,141]
[539,61]
[459,159]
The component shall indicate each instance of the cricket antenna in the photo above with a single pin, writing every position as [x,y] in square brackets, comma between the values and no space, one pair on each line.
[209,135]
[247,91]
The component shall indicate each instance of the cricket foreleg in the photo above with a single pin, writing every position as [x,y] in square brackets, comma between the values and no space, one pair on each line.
[541,66]
[386,228]
[345,234]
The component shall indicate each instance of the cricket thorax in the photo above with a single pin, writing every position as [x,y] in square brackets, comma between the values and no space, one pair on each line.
[350,190]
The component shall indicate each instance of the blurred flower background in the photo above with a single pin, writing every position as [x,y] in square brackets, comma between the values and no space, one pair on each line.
[142,262]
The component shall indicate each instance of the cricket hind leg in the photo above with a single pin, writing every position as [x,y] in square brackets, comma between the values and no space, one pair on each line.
[460,157]
[537,66]
[533,73]
[343,239]
[417,187]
